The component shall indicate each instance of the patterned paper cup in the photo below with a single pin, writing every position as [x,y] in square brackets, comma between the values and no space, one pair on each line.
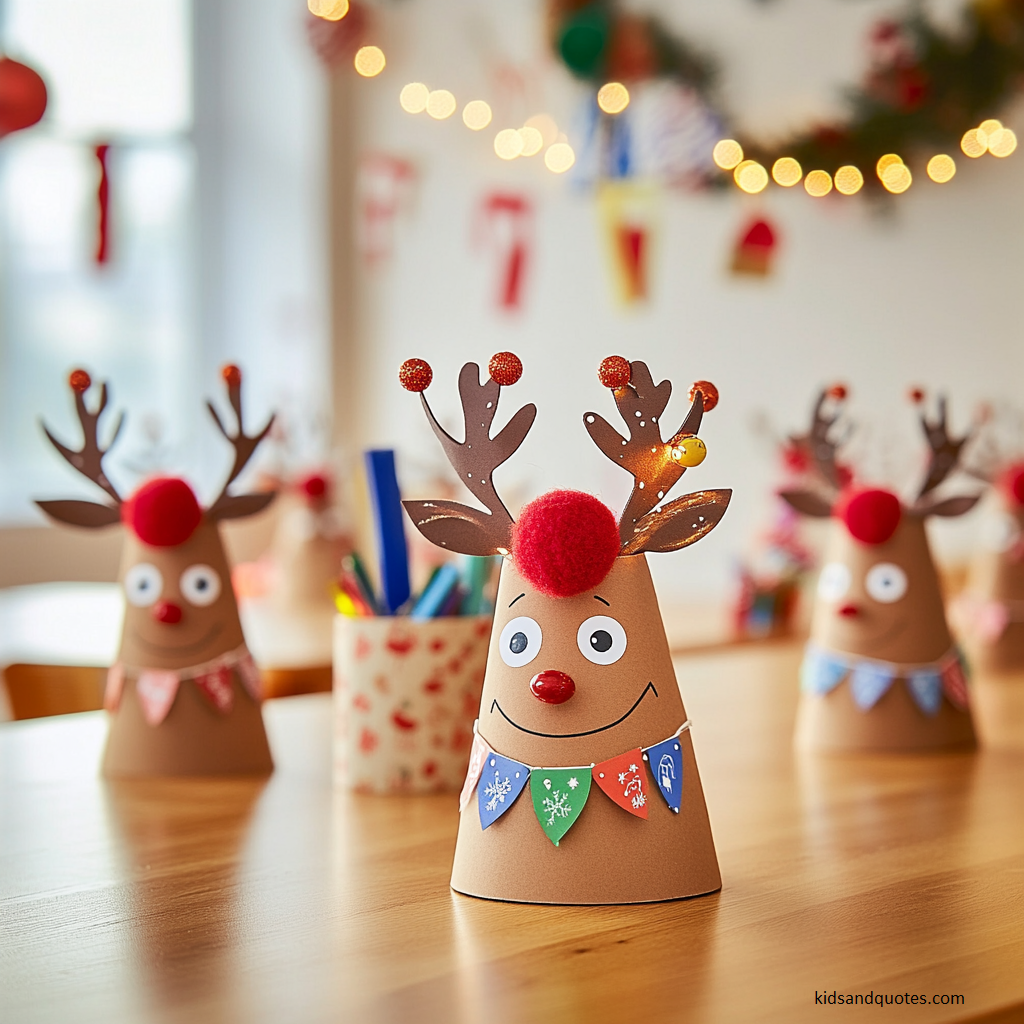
[406,695]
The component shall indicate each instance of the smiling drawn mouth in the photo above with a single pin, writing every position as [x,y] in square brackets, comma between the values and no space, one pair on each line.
[180,648]
[571,735]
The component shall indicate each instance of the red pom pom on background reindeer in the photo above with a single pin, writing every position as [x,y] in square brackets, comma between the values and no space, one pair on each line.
[184,695]
[579,670]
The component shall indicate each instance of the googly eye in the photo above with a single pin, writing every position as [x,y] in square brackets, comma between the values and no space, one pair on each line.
[834,581]
[520,641]
[601,639]
[886,582]
[200,585]
[143,584]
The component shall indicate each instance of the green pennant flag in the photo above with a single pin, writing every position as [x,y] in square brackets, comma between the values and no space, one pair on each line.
[559,795]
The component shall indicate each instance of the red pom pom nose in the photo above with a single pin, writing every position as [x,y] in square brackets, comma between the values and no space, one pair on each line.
[162,513]
[552,687]
[565,542]
[871,516]
[1011,483]
[167,613]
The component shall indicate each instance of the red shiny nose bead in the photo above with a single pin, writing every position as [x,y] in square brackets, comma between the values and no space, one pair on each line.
[552,687]
[849,611]
[164,611]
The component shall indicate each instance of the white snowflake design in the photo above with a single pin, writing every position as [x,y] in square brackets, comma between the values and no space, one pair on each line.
[557,806]
[497,791]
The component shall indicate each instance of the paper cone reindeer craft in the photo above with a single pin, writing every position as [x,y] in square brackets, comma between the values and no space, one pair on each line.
[184,695]
[582,786]
[881,670]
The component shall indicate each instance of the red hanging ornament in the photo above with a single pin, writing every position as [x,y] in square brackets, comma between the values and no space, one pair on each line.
[22,96]
[336,42]
[755,249]
[102,254]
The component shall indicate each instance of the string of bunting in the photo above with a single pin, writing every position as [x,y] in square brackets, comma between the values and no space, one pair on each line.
[823,670]
[560,794]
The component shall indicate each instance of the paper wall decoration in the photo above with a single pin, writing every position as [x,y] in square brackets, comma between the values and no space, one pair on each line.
[184,695]
[881,671]
[505,224]
[578,670]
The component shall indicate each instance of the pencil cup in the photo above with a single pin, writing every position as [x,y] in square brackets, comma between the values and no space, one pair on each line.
[405,697]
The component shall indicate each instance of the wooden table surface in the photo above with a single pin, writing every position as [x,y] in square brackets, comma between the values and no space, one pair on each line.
[283,901]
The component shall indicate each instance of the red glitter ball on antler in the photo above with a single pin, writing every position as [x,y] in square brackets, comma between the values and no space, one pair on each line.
[79,380]
[614,372]
[708,391]
[505,368]
[565,542]
[314,486]
[916,395]
[838,392]
[871,516]
[163,512]
[232,374]
[415,375]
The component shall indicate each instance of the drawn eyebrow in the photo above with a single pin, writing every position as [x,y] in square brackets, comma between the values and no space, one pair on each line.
[602,600]
[516,599]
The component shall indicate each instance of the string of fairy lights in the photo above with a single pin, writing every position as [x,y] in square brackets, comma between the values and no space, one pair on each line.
[540,134]
[990,137]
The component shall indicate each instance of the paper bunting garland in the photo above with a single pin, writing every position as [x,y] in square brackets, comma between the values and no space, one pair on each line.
[622,778]
[501,782]
[157,688]
[560,794]
[870,680]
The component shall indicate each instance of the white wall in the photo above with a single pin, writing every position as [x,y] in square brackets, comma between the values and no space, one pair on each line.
[926,291]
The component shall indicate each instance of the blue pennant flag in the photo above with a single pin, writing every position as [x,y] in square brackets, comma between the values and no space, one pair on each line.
[870,681]
[665,760]
[926,689]
[821,672]
[501,781]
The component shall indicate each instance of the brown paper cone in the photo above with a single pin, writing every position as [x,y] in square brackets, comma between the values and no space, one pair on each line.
[608,855]
[194,738]
[909,631]
[405,696]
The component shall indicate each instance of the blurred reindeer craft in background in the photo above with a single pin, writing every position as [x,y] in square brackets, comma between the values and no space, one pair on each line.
[881,670]
[579,692]
[184,695]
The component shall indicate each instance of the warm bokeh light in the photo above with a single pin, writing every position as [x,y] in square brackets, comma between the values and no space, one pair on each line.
[848,180]
[987,129]
[545,124]
[613,98]
[441,104]
[413,97]
[897,178]
[476,114]
[787,172]
[727,154]
[750,176]
[369,61]
[508,144]
[941,168]
[559,157]
[884,162]
[533,141]
[973,144]
[329,10]
[1002,142]
[818,183]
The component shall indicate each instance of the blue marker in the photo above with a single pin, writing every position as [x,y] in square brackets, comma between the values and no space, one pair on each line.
[388,519]
[432,601]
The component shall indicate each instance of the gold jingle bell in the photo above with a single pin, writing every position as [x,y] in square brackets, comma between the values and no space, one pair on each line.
[690,452]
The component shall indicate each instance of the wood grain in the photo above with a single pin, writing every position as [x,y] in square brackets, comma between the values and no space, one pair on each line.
[227,901]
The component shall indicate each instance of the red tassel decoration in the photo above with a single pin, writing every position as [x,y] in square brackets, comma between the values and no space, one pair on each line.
[102,255]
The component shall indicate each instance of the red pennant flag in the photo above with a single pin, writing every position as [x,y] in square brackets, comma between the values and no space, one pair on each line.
[216,688]
[954,682]
[622,778]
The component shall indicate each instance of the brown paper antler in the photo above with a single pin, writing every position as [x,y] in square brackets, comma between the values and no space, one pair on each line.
[450,524]
[823,448]
[228,506]
[655,466]
[88,461]
[944,455]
